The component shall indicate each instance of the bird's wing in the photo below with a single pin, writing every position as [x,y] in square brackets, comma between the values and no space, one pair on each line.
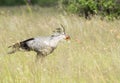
[38,43]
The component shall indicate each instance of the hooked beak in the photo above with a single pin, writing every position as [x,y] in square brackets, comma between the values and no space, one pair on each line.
[67,37]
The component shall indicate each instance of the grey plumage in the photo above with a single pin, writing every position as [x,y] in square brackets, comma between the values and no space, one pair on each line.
[41,45]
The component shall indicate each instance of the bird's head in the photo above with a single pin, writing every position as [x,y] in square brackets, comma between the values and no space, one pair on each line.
[60,34]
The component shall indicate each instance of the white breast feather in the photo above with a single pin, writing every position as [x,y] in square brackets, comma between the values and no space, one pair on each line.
[47,43]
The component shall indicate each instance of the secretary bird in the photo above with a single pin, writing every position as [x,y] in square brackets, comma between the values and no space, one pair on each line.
[43,46]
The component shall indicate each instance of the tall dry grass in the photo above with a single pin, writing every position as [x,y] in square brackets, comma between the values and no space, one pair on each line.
[92,55]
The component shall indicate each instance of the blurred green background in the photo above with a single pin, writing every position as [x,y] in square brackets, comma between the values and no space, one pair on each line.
[84,8]
[23,2]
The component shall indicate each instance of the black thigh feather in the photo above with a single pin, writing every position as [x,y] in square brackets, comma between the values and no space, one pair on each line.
[24,45]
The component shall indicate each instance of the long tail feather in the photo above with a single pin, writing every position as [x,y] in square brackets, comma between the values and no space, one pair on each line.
[23,45]
[11,52]
[14,47]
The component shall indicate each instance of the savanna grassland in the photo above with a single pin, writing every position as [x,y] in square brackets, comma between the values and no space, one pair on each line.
[92,55]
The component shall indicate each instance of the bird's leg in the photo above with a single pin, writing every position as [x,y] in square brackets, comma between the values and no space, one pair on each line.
[39,57]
